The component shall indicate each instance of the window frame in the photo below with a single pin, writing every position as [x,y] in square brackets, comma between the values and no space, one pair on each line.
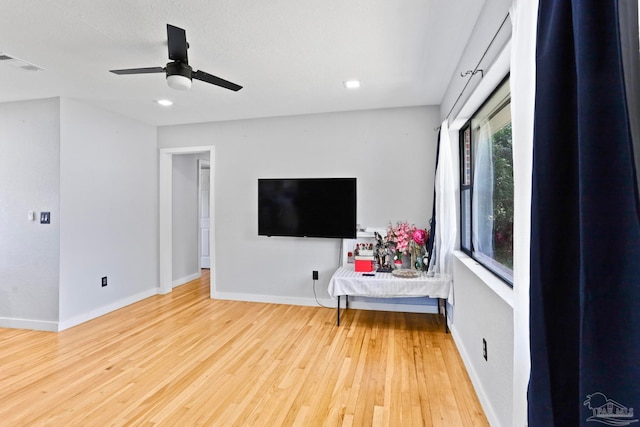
[466,189]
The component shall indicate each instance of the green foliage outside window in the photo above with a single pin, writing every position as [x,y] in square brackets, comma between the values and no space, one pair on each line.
[503,196]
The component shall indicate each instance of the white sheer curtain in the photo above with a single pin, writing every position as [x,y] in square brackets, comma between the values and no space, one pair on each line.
[482,205]
[445,233]
[524,17]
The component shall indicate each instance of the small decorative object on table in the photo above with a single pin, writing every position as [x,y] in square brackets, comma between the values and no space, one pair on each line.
[383,253]
[405,273]
[365,249]
[364,264]
[364,259]
[409,244]
[350,257]
[418,246]
[401,236]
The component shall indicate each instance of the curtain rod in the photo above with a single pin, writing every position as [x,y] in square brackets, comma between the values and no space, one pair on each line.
[476,70]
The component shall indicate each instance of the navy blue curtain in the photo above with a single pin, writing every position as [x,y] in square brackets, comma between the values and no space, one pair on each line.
[585,224]
[432,225]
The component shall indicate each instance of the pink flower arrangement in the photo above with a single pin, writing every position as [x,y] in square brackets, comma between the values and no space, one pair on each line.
[420,237]
[401,235]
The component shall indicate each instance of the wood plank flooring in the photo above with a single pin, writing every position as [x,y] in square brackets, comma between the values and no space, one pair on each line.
[183,359]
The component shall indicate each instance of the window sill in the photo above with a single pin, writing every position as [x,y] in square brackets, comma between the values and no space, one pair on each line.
[496,285]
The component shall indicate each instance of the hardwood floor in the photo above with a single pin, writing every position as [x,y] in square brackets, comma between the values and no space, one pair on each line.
[183,359]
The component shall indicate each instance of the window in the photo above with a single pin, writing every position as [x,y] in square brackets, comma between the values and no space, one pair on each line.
[486,185]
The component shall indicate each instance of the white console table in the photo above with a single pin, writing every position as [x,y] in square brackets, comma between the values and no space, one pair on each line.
[345,281]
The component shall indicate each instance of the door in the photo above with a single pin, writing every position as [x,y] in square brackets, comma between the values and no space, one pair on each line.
[205,220]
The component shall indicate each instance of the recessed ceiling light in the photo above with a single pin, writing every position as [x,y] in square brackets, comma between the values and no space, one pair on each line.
[164,102]
[352,84]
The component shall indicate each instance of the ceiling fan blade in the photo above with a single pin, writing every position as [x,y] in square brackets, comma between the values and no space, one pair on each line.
[139,70]
[177,41]
[206,77]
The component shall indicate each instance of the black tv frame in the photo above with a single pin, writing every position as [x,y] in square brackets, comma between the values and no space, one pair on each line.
[307,207]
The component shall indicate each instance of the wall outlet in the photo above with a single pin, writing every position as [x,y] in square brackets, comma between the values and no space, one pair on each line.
[104,281]
[315,275]
[484,349]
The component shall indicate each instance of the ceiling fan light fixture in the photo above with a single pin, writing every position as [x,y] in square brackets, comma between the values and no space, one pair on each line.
[179,82]
[178,75]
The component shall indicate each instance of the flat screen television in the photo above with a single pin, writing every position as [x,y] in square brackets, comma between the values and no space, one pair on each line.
[307,207]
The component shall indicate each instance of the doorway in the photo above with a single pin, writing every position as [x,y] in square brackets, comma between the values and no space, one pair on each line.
[204,214]
[165,214]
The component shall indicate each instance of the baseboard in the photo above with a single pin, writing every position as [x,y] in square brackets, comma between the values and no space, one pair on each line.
[35,325]
[185,279]
[475,379]
[358,305]
[100,311]
[269,299]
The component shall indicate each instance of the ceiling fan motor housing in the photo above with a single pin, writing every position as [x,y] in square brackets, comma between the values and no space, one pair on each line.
[178,75]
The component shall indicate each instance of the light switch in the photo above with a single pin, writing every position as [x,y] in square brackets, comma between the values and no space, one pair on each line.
[45,217]
[31,216]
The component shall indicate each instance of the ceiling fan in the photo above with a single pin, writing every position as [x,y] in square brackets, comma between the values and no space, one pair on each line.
[179,72]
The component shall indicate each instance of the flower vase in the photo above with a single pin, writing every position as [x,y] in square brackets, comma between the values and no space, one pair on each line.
[406,261]
[397,264]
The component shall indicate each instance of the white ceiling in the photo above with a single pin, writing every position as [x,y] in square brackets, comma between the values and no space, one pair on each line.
[291,56]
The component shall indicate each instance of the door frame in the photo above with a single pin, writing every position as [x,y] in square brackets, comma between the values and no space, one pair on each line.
[203,164]
[166,217]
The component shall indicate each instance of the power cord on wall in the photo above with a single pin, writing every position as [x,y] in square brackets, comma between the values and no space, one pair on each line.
[316,297]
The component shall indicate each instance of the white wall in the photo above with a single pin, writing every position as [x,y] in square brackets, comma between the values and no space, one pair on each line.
[29,181]
[391,153]
[108,210]
[480,313]
[492,15]
[186,264]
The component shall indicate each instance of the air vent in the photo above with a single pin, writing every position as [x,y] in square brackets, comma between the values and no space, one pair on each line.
[18,63]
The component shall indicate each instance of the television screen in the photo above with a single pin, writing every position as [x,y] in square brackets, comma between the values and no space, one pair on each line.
[307,207]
